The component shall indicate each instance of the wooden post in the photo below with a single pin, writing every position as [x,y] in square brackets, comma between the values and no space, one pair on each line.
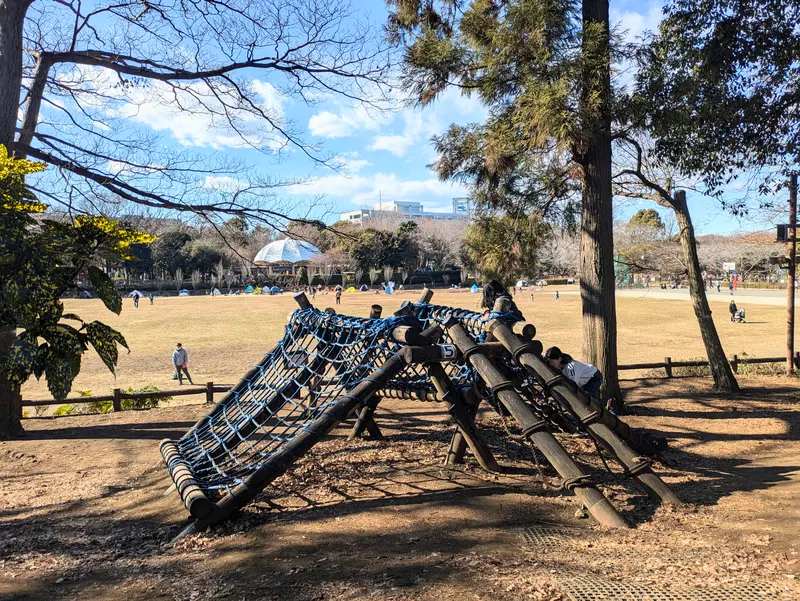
[209,392]
[735,364]
[375,312]
[797,360]
[117,399]
[791,251]
[668,366]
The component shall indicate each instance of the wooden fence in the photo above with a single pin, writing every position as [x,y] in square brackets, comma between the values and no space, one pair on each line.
[117,396]
[210,388]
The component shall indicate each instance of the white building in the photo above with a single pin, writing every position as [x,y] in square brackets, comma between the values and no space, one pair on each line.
[410,209]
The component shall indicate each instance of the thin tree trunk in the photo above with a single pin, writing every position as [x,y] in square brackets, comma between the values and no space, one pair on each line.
[720,368]
[12,17]
[597,238]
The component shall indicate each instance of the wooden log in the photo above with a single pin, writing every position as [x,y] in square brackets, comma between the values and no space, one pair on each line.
[448,393]
[458,444]
[526,330]
[193,497]
[375,312]
[366,421]
[425,297]
[534,429]
[590,415]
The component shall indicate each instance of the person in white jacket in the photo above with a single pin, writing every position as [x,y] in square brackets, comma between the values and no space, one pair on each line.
[180,359]
[586,376]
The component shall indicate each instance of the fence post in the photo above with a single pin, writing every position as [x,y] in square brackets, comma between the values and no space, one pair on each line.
[668,366]
[735,364]
[209,392]
[117,399]
[797,360]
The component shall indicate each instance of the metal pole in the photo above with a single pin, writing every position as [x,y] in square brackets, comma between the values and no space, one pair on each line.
[791,250]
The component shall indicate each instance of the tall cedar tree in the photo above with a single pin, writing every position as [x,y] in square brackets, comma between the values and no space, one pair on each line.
[543,69]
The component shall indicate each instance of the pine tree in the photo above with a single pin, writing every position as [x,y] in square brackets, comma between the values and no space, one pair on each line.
[543,69]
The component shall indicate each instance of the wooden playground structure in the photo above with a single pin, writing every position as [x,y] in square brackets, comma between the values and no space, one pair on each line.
[329,368]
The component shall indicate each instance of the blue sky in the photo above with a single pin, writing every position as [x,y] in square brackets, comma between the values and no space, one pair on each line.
[384,154]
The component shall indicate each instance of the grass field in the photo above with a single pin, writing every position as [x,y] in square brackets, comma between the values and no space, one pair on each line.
[226,335]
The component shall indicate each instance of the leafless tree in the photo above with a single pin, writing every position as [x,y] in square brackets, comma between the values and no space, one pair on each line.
[561,253]
[359,275]
[373,276]
[441,241]
[196,279]
[388,272]
[641,175]
[178,278]
[98,81]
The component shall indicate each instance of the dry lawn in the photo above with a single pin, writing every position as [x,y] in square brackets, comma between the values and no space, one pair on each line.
[226,335]
[83,515]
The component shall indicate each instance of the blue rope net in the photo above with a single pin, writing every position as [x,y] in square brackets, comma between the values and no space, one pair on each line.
[320,357]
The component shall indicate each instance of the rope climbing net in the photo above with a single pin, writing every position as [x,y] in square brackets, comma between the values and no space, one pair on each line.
[320,357]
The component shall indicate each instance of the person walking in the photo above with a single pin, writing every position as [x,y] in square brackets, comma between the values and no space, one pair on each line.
[151,298]
[733,308]
[586,376]
[557,296]
[338,291]
[730,287]
[135,301]
[180,360]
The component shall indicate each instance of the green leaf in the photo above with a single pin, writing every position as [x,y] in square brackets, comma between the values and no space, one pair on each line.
[71,316]
[18,364]
[105,289]
[60,372]
[105,340]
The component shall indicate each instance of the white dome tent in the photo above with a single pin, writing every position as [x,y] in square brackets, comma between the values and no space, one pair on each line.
[286,252]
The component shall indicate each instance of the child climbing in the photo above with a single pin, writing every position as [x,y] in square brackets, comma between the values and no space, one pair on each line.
[586,376]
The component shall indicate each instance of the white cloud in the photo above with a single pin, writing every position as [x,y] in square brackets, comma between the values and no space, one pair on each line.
[345,123]
[368,189]
[224,183]
[194,115]
[419,125]
[633,24]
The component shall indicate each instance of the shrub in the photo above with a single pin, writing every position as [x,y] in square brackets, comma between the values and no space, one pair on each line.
[145,402]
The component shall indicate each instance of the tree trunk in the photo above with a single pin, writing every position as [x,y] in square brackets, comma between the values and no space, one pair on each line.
[12,17]
[597,238]
[10,400]
[720,368]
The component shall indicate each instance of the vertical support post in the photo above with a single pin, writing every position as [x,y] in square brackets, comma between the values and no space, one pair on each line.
[735,364]
[791,251]
[668,366]
[117,399]
[209,392]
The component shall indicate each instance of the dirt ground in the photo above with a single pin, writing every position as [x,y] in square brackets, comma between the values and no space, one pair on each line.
[83,513]
[227,335]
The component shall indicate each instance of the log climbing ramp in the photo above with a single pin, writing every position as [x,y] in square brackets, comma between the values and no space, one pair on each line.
[329,368]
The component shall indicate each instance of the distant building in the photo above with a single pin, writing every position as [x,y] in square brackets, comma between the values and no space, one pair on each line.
[410,209]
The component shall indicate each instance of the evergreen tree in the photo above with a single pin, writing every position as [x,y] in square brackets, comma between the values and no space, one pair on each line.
[543,69]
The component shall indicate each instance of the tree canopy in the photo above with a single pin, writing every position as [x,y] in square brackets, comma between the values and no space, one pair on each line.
[718,88]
